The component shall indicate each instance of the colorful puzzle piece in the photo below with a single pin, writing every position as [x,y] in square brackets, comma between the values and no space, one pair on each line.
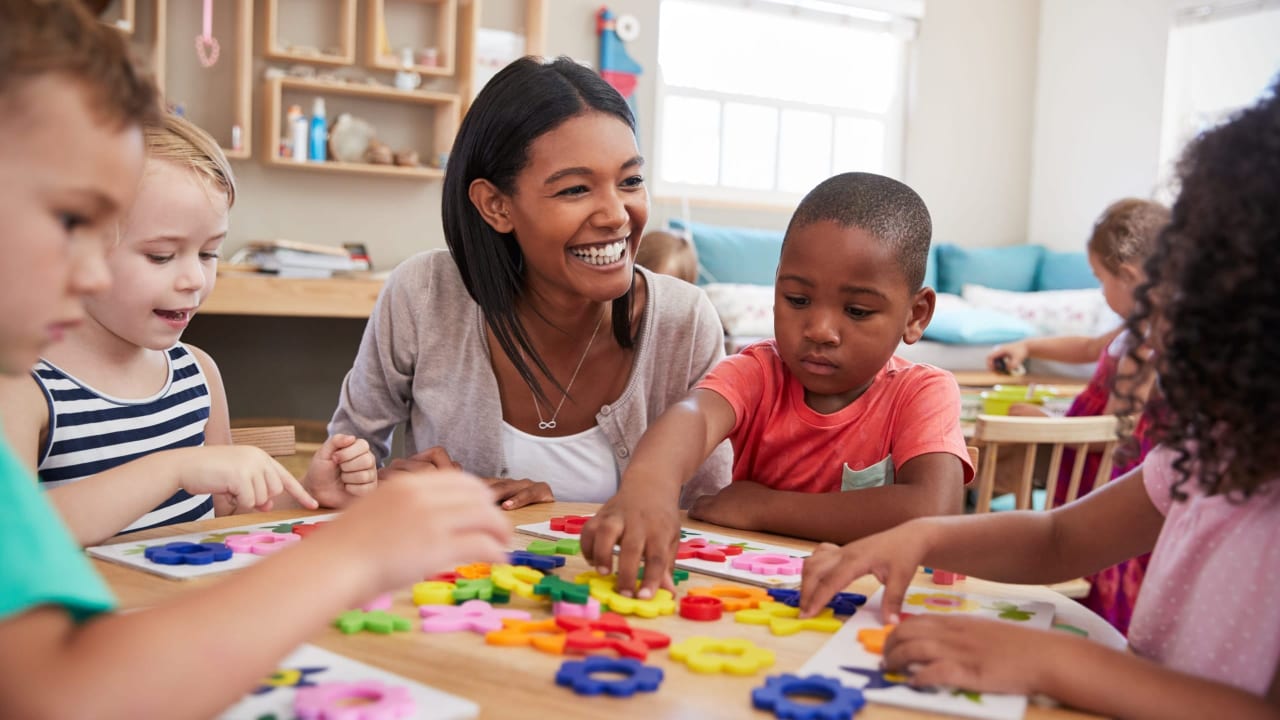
[636,677]
[678,575]
[480,589]
[474,571]
[433,592]
[561,590]
[382,602]
[264,543]
[701,549]
[589,611]
[873,638]
[366,700]
[555,547]
[837,701]
[611,631]
[942,602]
[733,598]
[473,615]
[571,524]
[604,589]
[843,603]
[544,635]
[378,621]
[288,678]
[305,529]
[785,620]
[518,579]
[186,553]
[729,655]
[879,679]
[769,564]
[545,563]
[701,607]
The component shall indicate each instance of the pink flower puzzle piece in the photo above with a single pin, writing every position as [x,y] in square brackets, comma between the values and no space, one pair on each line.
[473,615]
[263,543]
[769,564]
[588,611]
[367,700]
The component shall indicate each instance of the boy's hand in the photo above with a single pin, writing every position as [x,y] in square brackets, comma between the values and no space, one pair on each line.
[511,494]
[343,468]
[737,505]
[970,653]
[646,526]
[247,476]
[892,556]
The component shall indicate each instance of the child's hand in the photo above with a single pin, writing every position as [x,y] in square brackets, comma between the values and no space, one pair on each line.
[970,653]
[420,523]
[1007,359]
[247,476]
[892,556]
[647,526]
[512,494]
[341,469]
[736,506]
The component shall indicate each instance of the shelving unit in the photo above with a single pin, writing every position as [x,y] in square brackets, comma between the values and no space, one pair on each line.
[445,107]
[346,38]
[381,54]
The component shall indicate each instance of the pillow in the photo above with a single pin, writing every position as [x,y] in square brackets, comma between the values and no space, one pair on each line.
[931,268]
[1051,312]
[745,310]
[1006,268]
[976,326]
[1065,271]
[734,255]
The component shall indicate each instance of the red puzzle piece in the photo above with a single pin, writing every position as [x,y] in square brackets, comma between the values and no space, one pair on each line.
[611,631]
[700,549]
[571,524]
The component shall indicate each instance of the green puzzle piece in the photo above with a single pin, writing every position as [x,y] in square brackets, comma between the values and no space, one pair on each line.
[677,575]
[561,590]
[378,621]
[567,546]
[480,589]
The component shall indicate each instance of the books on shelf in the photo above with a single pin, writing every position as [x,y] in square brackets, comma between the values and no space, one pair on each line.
[288,258]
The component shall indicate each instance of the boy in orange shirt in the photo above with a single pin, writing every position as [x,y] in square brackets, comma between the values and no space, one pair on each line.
[823,408]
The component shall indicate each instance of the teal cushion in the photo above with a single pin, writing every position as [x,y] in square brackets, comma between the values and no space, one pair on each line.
[931,270]
[1007,501]
[732,254]
[977,326]
[1004,268]
[1065,271]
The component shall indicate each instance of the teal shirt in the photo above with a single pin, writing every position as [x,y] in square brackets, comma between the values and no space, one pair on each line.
[40,563]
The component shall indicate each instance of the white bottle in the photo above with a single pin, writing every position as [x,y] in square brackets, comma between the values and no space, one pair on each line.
[297,134]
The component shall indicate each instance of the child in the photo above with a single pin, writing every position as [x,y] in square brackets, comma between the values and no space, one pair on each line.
[1205,637]
[823,408]
[128,427]
[1122,240]
[70,107]
[667,253]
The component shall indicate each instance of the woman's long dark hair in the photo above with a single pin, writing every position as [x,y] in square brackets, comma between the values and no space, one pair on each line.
[1213,299]
[524,101]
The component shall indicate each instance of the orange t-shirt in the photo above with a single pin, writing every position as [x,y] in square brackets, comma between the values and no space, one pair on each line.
[909,410]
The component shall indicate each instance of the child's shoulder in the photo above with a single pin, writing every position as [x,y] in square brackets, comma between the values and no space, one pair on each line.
[912,381]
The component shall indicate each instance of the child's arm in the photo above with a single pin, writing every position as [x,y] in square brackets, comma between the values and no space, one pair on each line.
[1064,348]
[992,656]
[929,484]
[143,664]
[1113,523]
[644,517]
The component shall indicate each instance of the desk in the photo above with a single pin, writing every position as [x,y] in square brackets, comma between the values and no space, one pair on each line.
[511,682]
[256,294]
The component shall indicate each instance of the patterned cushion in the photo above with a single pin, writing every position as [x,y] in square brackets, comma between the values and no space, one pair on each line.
[1052,312]
[744,309]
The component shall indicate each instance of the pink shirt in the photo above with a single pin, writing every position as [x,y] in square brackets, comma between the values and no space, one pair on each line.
[779,441]
[1208,606]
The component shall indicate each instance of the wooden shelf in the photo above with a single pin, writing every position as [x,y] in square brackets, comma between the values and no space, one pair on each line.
[368,169]
[346,38]
[266,295]
[380,54]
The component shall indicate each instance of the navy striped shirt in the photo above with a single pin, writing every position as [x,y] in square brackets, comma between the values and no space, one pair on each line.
[90,432]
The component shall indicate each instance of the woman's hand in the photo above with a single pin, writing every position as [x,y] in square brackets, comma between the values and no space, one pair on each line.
[971,653]
[512,494]
[647,527]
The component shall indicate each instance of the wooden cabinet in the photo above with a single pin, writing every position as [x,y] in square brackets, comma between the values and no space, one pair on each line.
[388,39]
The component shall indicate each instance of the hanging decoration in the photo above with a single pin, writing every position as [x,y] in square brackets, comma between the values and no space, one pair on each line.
[206,43]
[616,66]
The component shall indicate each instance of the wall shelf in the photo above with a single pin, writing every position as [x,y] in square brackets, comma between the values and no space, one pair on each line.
[256,294]
[382,54]
[346,38]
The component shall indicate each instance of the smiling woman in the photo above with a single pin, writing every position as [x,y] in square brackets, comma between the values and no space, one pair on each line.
[494,352]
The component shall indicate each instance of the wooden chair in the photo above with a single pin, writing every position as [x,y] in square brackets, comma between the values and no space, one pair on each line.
[276,440]
[993,431]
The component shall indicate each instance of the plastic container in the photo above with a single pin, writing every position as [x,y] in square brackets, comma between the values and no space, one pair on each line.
[319,147]
[297,134]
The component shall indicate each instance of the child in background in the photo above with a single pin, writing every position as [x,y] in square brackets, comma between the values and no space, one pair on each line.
[823,409]
[669,254]
[1205,636]
[1122,240]
[70,109]
[128,427]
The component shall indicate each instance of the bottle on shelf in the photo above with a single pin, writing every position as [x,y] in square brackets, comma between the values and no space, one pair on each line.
[297,134]
[319,133]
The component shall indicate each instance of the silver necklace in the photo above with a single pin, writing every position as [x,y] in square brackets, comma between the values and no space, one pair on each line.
[551,424]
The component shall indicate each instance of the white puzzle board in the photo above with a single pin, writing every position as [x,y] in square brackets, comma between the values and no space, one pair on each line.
[131,553]
[707,567]
[844,651]
[311,665]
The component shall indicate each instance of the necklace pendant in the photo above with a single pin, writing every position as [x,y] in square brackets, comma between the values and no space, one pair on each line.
[547,425]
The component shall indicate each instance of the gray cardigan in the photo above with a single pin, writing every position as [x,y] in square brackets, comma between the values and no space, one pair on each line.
[424,359]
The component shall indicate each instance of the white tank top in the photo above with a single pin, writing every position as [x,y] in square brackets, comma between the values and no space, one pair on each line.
[579,468]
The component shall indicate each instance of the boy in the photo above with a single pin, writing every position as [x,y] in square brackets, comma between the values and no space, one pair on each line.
[823,408]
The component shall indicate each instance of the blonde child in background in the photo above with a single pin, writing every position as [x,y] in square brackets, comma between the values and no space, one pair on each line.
[127,426]
[834,438]
[668,253]
[1205,637]
[70,109]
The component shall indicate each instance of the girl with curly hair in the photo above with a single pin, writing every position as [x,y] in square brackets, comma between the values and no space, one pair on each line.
[1205,635]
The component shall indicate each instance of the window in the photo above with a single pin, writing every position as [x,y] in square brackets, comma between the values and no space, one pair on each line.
[760,100]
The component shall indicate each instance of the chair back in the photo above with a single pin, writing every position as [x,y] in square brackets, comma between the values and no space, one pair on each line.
[276,440]
[995,431]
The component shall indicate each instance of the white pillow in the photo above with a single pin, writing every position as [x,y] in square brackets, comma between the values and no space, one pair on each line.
[1052,312]
[743,309]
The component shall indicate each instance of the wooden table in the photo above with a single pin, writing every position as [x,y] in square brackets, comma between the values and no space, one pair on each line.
[511,682]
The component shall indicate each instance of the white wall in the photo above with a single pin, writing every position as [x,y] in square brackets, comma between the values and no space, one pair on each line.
[1098,105]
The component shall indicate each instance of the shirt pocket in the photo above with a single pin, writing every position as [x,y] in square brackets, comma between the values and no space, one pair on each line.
[878,475]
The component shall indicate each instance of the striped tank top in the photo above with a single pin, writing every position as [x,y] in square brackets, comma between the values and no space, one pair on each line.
[90,432]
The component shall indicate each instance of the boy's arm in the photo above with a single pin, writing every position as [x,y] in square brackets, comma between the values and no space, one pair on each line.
[929,484]
[217,430]
[24,415]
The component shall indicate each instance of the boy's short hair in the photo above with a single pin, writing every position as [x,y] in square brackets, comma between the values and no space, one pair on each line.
[175,139]
[1126,232]
[882,206]
[39,37]
[664,251]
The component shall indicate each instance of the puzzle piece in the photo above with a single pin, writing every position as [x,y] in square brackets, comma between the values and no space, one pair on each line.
[604,589]
[701,607]
[873,638]
[264,543]
[611,631]
[837,701]
[942,602]
[474,615]
[480,589]
[733,598]
[879,679]
[589,611]
[474,571]
[843,603]
[304,530]
[702,549]
[678,575]
[571,524]
[544,635]
[785,620]
[544,563]
[365,700]
[729,655]
[433,592]
[382,602]
[637,677]
[186,553]
[518,579]
[561,590]
[769,564]
[555,547]
[378,621]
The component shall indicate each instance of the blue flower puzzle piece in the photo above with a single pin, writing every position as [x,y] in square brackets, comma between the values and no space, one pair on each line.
[840,702]
[844,603]
[576,674]
[186,553]
[535,561]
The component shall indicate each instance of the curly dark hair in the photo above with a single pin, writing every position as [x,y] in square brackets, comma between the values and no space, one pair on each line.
[1213,300]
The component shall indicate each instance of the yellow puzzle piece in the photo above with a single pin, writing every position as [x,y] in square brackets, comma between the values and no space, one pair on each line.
[785,620]
[518,579]
[729,655]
